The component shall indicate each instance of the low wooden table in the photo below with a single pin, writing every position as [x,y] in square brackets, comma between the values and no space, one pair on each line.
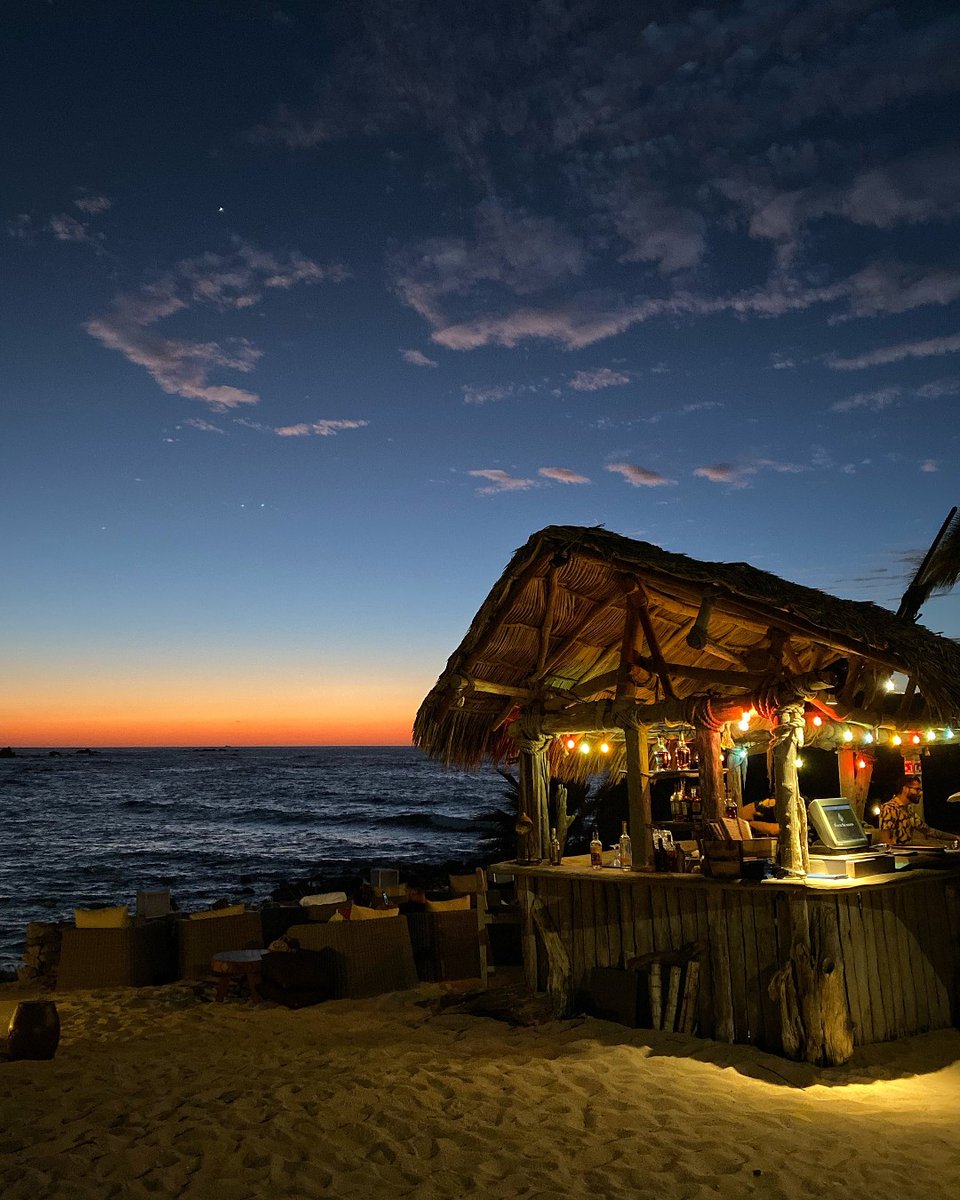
[239,965]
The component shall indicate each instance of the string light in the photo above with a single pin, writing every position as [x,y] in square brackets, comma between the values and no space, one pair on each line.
[948,733]
[744,722]
[848,735]
[604,748]
[868,738]
[916,739]
[584,747]
[799,763]
[896,740]
[931,735]
[571,743]
[818,720]
[861,764]
[889,684]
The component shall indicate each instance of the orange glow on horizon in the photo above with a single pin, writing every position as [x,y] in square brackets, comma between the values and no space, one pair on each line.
[348,718]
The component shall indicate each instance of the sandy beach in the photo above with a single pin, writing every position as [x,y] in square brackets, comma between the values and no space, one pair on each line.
[161,1093]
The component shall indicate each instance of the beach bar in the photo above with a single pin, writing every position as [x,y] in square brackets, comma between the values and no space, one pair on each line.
[598,654]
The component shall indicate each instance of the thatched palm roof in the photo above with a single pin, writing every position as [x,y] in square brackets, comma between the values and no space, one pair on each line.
[551,630]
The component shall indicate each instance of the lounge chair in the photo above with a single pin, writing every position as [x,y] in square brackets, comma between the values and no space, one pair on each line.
[201,939]
[368,957]
[141,955]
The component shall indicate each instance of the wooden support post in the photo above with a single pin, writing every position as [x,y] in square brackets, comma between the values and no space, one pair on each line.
[846,766]
[712,791]
[734,781]
[791,810]
[534,780]
[636,747]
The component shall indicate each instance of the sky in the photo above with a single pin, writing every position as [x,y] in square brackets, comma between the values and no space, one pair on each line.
[311,313]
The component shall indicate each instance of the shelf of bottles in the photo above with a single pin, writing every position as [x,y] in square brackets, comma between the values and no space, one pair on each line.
[676,760]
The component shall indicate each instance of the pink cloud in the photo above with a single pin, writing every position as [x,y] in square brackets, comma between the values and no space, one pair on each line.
[181,367]
[327,428]
[92,205]
[416,358]
[562,475]
[927,348]
[500,481]
[640,476]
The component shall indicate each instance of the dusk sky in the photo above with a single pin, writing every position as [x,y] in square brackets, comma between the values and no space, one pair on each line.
[312,313]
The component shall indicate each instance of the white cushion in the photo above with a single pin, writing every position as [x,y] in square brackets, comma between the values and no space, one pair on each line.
[324,898]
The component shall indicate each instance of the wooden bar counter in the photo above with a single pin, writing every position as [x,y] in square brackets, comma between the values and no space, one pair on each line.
[803,968]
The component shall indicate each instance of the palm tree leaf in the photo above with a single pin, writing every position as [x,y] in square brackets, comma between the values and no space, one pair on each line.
[938,572]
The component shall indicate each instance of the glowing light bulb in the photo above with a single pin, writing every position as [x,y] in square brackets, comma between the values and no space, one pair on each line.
[604,748]
[744,722]
[889,684]
[571,742]
[916,739]
[799,763]
[896,740]
[861,763]
[948,733]
[848,735]
[818,721]
[868,738]
[584,747]
[876,810]
[931,735]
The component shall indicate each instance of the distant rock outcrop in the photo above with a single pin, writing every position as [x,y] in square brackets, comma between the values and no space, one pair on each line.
[7,752]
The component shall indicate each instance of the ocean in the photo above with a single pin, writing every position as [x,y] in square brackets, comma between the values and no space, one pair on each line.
[94,828]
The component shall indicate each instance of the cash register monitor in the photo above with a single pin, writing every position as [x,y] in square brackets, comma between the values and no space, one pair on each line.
[837,825]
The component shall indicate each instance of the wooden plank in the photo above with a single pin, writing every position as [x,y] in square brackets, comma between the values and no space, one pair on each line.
[938,953]
[900,984]
[723,1024]
[661,920]
[615,897]
[576,937]
[765,932]
[672,895]
[951,896]
[852,968]
[733,917]
[908,983]
[565,888]
[914,919]
[705,1011]
[748,904]
[871,1007]
[600,940]
[878,969]
[528,939]
[628,936]
[643,918]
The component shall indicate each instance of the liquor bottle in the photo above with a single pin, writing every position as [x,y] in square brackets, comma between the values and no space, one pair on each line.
[676,804]
[681,754]
[696,804]
[554,849]
[659,856]
[660,755]
[596,851]
[626,850]
[730,808]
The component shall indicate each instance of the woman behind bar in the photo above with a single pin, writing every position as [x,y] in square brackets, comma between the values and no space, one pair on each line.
[762,817]
[900,825]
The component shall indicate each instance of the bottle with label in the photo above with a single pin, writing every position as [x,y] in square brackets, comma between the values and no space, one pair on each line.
[660,755]
[696,804]
[596,851]
[730,808]
[554,849]
[626,850]
[681,754]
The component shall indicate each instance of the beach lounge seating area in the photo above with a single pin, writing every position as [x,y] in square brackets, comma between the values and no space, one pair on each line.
[324,947]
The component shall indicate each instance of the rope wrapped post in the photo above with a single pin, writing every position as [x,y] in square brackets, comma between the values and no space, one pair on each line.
[707,734]
[791,811]
[534,786]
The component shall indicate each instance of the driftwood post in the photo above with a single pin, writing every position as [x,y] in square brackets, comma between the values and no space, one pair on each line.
[635,745]
[712,790]
[534,786]
[791,811]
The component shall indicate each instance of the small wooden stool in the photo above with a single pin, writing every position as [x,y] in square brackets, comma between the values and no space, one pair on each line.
[239,965]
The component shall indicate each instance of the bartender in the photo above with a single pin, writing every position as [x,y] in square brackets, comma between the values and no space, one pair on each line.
[899,823]
[762,817]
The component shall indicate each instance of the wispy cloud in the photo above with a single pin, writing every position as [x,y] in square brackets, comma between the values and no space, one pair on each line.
[738,475]
[925,348]
[234,282]
[500,481]
[872,401]
[562,475]
[20,226]
[640,476]
[294,130]
[328,428]
[68,229]
[93,204]
[474,394]
[203,426]
[595,381]
[416,358]
[930,465]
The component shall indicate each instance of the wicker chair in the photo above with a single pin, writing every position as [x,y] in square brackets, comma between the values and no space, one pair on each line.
[369,957]
[139,955]
[447,945]
[201,940]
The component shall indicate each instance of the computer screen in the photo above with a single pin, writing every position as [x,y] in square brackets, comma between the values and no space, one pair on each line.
[837,825]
